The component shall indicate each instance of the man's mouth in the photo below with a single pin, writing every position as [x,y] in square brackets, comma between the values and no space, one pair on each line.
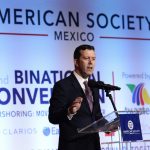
[89,68]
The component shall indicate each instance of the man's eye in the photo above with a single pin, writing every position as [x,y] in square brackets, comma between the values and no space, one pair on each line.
[88,58]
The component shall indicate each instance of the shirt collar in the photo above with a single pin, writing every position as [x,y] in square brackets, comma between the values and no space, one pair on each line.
[80,80]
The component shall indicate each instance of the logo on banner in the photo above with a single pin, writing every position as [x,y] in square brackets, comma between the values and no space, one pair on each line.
[130,124]
[140,95]
[54,130]
[130,127]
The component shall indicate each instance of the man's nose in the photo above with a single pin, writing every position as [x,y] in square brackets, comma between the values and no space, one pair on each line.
[90,61]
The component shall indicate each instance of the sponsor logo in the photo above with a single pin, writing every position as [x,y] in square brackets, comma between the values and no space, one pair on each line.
[140,95]
[130,125]
[50,131]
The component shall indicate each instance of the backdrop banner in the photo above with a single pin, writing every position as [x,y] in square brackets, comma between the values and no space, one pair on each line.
[37,41]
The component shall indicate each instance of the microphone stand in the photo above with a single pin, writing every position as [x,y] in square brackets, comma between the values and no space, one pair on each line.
[111,99]
[116,112]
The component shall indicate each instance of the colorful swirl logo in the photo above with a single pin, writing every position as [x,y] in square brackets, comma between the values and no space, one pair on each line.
[140,95]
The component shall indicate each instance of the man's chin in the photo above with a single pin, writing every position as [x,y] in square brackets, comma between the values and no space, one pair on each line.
[89,74]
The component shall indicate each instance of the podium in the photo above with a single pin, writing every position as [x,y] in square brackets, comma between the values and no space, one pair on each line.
[126,123]
[106,124]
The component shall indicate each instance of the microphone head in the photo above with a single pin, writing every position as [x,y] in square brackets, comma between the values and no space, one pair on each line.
[102,85]
[95,84]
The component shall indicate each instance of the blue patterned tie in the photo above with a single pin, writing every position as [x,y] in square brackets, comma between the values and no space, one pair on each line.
[88,94]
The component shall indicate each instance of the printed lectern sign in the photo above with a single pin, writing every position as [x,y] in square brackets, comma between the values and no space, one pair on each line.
[130,127]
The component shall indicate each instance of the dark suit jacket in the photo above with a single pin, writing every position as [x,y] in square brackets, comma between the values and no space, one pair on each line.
[64,93]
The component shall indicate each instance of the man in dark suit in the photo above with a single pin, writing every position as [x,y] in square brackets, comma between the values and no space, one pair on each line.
[69,106]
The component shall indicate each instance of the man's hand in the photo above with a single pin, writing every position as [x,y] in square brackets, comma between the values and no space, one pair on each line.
[112,128]
[75,106]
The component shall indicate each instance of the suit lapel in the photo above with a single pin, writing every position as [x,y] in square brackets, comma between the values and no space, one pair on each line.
[76,85]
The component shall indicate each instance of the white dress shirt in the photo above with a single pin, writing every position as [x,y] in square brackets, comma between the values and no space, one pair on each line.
[80,80]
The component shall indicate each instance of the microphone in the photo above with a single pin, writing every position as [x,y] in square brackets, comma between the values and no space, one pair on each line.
[102,85]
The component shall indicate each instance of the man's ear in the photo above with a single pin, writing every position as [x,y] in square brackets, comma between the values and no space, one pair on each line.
[76,62]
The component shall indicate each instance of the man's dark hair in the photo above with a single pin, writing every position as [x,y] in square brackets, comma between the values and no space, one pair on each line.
[80,48]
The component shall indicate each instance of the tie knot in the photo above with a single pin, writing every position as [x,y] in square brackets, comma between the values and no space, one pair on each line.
[87,88]
[85,83]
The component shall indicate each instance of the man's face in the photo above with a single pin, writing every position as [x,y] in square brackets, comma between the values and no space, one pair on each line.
[84,66]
